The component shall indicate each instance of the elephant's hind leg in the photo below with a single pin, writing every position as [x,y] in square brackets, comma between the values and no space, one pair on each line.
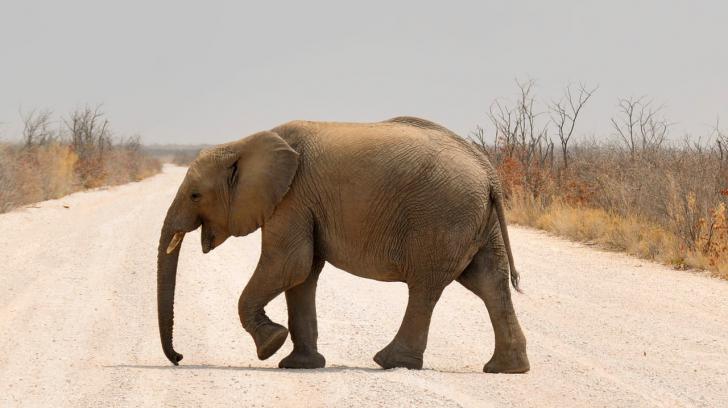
[487,277]
[409,344]
[301,302]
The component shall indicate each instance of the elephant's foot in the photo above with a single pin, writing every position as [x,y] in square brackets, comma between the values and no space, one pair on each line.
[303,359]
[514,361]
[395,355]
[269,338]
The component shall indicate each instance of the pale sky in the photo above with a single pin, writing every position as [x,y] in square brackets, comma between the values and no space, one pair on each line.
[210,71]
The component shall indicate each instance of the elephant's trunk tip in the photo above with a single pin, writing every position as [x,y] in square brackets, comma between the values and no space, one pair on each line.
[174,357]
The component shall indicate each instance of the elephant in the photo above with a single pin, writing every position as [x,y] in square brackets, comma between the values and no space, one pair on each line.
[403,200]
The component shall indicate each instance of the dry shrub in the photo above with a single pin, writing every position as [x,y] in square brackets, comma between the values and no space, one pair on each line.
[665,211]
[34,174]
[8,179]
[55,165]
[713,240]
[641,194]
[52,164]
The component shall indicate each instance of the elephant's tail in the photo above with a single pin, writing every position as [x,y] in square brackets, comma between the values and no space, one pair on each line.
[497,200]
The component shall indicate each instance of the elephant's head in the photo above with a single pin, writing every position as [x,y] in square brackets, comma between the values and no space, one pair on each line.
[228,190]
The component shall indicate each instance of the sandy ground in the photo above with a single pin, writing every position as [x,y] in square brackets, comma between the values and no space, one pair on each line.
[78,323]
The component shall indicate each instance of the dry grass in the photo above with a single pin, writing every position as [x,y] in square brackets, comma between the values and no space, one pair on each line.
[628,233]
[670,211]
[50,164]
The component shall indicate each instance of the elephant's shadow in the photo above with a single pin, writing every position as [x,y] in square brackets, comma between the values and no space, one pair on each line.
[331,369]
[334,369]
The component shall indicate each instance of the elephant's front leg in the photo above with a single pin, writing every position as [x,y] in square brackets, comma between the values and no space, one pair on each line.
[284,263]
[301,302]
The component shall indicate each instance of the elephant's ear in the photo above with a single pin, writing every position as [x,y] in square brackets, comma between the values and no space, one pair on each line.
[259,179]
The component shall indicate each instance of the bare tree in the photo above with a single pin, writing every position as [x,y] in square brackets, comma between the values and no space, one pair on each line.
[640,125]
[517,129]
[37,128]
[91,139]
[627,121]
[479,139]
[89,131]
[565,112]
[519,135]
[721,141]
[653,127]
[506,127]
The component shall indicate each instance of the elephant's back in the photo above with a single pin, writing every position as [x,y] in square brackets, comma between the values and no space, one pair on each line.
[403,155]
[404,150]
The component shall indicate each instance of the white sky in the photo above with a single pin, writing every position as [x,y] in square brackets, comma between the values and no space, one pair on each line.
[209,72]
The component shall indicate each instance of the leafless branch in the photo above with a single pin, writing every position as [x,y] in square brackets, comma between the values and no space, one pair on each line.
[519,134]
[565,112]
[36,128]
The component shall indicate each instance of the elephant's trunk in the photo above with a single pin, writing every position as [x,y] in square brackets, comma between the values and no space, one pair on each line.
[166,278]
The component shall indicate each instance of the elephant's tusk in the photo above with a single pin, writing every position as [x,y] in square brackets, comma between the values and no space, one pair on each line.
[174,243]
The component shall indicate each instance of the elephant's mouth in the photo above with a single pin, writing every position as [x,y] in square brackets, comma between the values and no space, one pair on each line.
[212,237]
[207,237]
[208,244]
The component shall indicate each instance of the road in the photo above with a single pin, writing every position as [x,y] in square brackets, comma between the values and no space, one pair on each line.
[78,323]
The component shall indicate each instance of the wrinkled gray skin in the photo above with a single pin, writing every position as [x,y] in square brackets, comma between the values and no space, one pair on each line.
[403,200]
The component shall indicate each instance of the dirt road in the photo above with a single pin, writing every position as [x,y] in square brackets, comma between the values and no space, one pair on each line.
[78,323]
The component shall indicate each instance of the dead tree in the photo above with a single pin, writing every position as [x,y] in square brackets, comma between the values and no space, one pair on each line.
[89,132]
[518,135]
[640,125]
[721,141]
[653,127]
[91,139]
[564,114]
[626,122]
[37,128]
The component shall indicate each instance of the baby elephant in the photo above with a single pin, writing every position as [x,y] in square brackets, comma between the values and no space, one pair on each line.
[404,200]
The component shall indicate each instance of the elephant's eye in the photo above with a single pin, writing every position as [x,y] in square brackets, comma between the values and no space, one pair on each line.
[195,197]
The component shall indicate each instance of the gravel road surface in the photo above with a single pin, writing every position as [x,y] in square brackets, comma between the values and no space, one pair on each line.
[78,323]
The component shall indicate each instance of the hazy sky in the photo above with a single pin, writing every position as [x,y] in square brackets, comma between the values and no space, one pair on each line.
[209,72]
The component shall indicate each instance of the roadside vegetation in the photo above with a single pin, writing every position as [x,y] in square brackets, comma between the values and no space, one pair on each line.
[55,158]
[637,191]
